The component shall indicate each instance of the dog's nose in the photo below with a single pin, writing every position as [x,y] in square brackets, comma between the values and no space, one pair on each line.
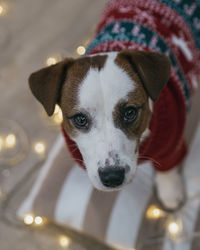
[112,176]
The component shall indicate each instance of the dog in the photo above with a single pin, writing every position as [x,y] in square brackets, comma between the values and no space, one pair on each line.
[126,100]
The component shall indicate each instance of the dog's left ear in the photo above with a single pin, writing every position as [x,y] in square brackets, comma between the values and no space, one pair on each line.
[152,68]
[46,84]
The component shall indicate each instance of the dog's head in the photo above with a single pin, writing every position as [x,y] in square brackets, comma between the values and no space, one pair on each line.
[105,103]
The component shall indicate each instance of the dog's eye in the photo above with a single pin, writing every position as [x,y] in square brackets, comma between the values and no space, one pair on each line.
[130,114]
[80,121]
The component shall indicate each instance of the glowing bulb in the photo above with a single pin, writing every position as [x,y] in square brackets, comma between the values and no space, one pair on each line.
[10,141]
[154,212]
[1,143]
[1,9]
[39,147]
[57,109]
[58,117]
[80,50]
[64,241]
[28,219]
[173,228]
[51,61]
[38,220]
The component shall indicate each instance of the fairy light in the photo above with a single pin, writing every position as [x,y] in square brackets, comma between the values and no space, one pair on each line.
[80,50]
[1,9]
[174,228]
[64,241]
[153,212]
[28,219]
[57,116]
[39,147]
[57,109]
[39,220]
[10,141]
[51,61]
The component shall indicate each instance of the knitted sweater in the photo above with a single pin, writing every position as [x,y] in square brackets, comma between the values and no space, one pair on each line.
[171,27]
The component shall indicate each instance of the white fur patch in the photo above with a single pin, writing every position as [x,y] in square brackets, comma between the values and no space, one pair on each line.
[99,93]
[103,89]
[170,188]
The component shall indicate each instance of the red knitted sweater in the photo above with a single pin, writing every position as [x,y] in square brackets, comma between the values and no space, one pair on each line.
[156,26]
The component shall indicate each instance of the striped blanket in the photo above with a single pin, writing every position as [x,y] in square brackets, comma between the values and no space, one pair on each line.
[63,193]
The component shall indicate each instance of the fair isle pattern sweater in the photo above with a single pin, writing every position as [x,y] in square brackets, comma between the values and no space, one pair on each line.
[171,27]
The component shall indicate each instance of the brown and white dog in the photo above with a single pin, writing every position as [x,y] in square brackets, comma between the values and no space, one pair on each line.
[107,102]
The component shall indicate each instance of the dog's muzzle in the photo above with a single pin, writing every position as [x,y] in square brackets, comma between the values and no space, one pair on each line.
[111,176]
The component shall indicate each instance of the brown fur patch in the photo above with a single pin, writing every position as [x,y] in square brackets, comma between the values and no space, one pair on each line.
[152,68]
[75,75]
[137,98]
[46,84]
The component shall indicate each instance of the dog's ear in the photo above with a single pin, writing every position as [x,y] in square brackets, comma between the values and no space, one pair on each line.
[46,84]
[152,68]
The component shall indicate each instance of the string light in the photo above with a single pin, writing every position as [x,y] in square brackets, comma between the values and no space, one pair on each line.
[39,148]
[51,61]
[153,212]
[57,116]
[80,50]
[28,219]
[2,10]
[10,141]
[64,241]
[57,109]
[39,220]
[174,228]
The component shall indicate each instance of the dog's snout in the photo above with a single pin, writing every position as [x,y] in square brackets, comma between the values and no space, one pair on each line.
[111,176]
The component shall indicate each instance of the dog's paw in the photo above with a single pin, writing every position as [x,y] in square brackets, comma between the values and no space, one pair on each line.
[170,189]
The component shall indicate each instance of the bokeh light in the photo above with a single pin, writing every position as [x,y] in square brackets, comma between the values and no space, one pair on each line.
[40,147]
[28,219]
[64,241]
[80,50]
